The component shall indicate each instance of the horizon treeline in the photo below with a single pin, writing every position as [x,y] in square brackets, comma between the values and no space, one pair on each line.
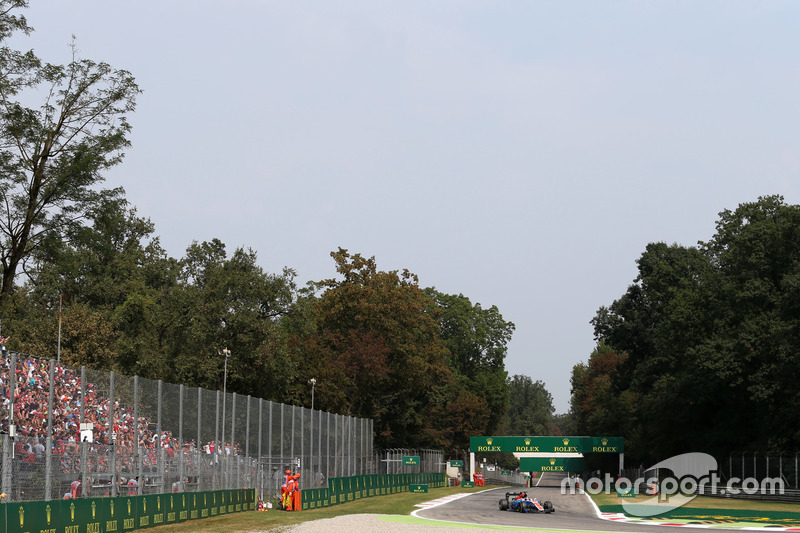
[702,352]
[428,367]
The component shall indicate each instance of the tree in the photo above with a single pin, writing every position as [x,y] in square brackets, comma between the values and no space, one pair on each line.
[597,407]
[710,336]
[477,340]
[530,410]
[229,302]
[52,157]
[378,344]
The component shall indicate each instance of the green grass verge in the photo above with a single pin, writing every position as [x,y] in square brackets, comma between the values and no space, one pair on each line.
[395,504]
[702,502]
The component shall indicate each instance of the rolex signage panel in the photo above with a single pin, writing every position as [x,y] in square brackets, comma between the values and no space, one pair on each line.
[547,444]
[551,464]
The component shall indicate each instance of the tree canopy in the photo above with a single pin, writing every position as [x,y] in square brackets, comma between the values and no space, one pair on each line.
[701,352]
[52,156]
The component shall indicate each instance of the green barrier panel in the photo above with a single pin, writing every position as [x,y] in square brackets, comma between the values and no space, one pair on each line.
[203,505]
[126,513]
[174,507]
[336,488]
[145,508]
[160,510]
[29,516]
[75,514]
[119,513]
[222,502]
[251,497]
[236,502]
[214,508]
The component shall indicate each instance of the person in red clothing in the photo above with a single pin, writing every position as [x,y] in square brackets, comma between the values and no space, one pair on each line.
[285,494]
[294,491]
[75,488]
[133,484]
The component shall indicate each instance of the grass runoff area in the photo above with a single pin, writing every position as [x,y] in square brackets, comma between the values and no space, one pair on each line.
[402,503]
[405,502]
[710,511]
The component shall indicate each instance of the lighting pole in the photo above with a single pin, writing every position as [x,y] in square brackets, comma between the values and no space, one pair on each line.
[227,353]
[313,382]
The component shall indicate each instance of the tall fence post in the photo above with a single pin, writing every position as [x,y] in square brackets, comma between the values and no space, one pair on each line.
[231,457]
[283,433]
[215,467]
[260,472]
[48,460]
[8,441]
[181,447]
[160,451]
[112,436]
[291,449]
[328,437]
[137,458]
[247,445]
[84,441]
[302,440]
[199,442]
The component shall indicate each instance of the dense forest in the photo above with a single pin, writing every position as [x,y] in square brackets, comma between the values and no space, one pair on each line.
[702,352]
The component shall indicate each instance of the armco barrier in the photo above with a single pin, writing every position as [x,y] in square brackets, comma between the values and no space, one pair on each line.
[130,513]
[347,489]
[111,515]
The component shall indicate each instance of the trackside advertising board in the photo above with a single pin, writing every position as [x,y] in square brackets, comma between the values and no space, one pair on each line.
[111,515]
[551,464]
[547,444]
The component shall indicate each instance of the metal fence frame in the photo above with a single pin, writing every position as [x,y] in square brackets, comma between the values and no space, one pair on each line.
[161,436]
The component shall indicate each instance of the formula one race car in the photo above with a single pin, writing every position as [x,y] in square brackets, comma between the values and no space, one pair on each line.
[520,502]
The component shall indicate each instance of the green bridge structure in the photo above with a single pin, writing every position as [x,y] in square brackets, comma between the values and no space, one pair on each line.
[547,454]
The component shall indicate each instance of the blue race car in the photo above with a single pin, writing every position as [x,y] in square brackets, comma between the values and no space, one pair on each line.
[520,502]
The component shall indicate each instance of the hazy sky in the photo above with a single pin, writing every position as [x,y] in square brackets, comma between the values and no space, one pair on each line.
[520,153]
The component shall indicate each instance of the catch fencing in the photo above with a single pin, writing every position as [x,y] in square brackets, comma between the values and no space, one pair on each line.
[738,466]
[76,432]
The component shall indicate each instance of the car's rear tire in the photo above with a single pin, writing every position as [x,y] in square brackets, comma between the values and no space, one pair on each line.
[504,505]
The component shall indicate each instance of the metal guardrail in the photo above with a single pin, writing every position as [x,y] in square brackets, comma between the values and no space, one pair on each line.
[784,496]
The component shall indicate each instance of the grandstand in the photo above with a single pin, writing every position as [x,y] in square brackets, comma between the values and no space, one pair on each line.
[62,425]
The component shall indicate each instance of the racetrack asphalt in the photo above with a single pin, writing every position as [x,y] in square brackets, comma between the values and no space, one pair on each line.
[479,512]
[573,512]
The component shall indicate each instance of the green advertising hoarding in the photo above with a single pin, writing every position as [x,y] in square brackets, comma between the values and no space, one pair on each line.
[119,514]
[547,444]
[551,464]
[457,464]
[409,460]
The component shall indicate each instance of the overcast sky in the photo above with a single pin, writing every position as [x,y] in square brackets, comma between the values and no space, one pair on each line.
[520,153]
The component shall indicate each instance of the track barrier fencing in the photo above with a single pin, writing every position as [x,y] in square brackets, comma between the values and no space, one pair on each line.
[78,433]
